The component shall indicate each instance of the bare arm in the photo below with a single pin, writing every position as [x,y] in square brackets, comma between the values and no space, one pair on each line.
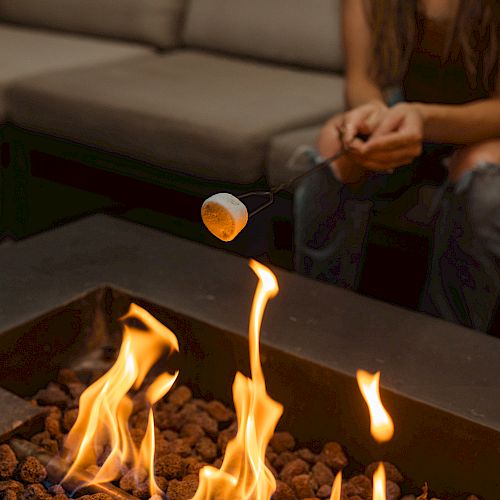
[360,88]
[461,124]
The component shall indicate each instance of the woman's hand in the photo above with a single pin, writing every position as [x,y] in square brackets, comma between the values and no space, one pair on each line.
[340,132]
[395,141]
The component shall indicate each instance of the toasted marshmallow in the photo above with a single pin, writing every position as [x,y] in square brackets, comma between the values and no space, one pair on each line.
[224,215]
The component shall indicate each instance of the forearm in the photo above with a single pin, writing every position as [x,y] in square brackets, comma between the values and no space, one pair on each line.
[461,124]
[359,91]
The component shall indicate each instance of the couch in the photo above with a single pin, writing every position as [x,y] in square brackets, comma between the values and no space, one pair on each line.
[147,106]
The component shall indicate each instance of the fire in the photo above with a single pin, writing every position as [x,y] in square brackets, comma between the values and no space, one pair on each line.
[101,431]
[379,484]
[244,474]
[337,487]
[381,425]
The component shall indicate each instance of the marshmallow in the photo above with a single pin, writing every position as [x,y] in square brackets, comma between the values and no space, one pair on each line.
[224,215]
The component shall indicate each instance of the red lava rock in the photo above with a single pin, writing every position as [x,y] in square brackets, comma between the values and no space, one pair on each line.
[283,492]
[303,486]
[282,441]
[307,455]
[8,461]
[358,485]
[193,431]
[96,496]
[53,426]
[322,474]
[333,456]
[32,471]
[225,436]
[67,376]
[53,395]
[183,490]
[391,471]
[284,458]
[76,389]
[10,485]
[9,495]
[69,419]
[324,491]
[218,411]
[131,479]
[393,491]
[34,492]
[181,395]
[294,468]
[192,465]
[207,449]
[57,489]
[206,422]
[169,466]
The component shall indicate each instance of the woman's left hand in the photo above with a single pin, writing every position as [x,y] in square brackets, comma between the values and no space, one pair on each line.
[396,141]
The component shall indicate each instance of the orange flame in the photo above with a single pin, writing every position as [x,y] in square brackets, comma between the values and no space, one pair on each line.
[379,483]
[381,425]
[337,487]
[244,474]
[105,407]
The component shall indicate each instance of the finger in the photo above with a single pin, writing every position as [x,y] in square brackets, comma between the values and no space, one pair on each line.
[391,141]
[387,160]
[390,123]
[355,122]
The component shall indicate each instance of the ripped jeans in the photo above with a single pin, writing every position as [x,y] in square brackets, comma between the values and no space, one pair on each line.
[331,223]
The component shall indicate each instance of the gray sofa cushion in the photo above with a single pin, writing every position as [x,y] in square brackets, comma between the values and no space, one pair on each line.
[282,147]
[25,52]
[155,22]
[200,114]
[303,32]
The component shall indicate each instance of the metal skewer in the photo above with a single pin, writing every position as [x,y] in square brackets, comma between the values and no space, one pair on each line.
[320,163]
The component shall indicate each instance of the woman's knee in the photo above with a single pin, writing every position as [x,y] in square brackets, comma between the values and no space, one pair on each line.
[479,190]
[470,157]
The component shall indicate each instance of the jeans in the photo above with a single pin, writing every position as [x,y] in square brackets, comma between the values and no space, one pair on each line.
[331,222]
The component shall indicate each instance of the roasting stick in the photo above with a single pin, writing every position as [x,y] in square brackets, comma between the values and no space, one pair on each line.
[225,215]
[56,469]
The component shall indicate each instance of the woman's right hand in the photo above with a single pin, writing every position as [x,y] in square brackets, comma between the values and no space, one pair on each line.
[341,131]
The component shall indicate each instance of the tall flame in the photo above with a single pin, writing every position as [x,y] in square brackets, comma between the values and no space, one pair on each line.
[379,485]
[244,474]
[337,487]
[381,425]
[105,407]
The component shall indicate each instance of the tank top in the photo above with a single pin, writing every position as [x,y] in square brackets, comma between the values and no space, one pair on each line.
[429,78]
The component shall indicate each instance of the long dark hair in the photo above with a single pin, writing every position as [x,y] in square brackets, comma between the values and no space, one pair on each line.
[474,33]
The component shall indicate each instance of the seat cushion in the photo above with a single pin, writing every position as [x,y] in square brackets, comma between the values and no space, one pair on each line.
[196,113]
[303,32]
[279,165]
[25,52]
[156,22]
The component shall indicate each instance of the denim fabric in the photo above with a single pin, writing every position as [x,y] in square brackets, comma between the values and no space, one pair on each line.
[331,224]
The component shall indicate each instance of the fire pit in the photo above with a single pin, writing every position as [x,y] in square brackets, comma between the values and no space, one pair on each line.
[64,292]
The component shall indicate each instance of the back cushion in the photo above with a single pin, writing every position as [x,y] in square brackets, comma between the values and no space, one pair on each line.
[155,22]
[304,32]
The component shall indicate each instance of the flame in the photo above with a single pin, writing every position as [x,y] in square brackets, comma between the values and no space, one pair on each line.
[379,483]
[244,474]
[381,425]
[337,487]
[105,407]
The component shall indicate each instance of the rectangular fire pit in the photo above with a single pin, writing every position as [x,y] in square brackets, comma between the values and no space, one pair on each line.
[63,292]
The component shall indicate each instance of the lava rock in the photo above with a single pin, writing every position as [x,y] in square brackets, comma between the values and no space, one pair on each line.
[8,461]
[32,471]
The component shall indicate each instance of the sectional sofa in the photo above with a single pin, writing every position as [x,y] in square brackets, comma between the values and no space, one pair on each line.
[147,106]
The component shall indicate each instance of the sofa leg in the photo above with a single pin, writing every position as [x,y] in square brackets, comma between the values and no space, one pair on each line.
[15,203]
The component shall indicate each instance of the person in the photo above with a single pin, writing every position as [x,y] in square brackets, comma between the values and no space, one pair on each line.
[422,90]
